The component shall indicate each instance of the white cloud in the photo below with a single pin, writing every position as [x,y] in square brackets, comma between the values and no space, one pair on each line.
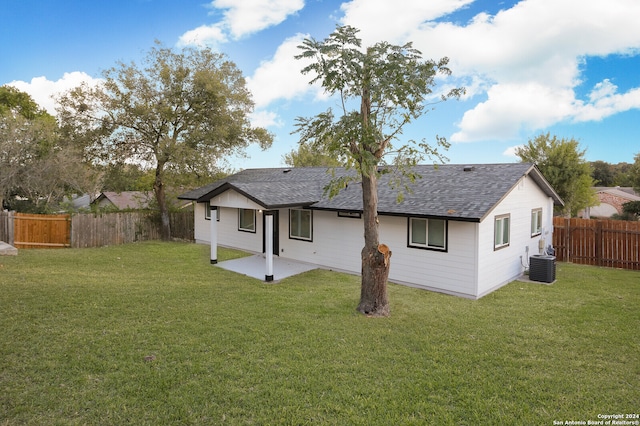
[262,118]
[43,90]
[280,77]
[241,18]
[393,21]
[604,101]
[512,107]
[526,62]
[204,35]
[511,151]
[529,58]
[244,17]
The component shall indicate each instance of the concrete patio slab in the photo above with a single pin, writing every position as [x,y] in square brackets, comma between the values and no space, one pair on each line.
[7,250]
[255,267]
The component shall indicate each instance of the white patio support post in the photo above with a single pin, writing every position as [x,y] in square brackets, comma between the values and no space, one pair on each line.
[268,236]
[213,235]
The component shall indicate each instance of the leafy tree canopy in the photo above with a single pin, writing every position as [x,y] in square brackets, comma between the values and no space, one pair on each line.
[37,166]
[620,174]
[632,208]
[381,89]
[16,102]
[562,163]
[179,111]
[634,173]
[307,156]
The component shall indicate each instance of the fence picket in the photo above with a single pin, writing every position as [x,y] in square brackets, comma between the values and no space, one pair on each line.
[610,243]
[89,230]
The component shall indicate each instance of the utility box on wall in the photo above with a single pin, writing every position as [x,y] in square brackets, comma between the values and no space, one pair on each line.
[542,268]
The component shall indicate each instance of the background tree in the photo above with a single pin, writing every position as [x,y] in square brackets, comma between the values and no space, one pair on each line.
[634,173]
[37,166]
[178,111]
[630,211]
[307,156]
[620,174]
[563,165]
[120,176]
[382,88]
[602,173]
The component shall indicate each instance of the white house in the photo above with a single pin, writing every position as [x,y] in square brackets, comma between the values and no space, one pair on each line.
[462,230]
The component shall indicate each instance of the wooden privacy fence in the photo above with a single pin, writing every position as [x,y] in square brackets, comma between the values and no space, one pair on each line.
[611,243]
[89,230]
[41,231]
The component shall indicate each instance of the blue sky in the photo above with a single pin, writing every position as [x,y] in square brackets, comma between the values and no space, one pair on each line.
[568,67]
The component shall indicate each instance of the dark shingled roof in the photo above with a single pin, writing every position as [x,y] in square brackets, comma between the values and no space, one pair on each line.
[271,188]
[450,191]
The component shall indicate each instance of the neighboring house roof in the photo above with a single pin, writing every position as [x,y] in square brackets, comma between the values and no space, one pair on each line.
[611,200]
[620,192]
[450,191]
[125,199]
[79,201]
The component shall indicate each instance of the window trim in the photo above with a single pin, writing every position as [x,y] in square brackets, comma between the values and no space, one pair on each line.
[537,214]
[500,219]
[296,237]
[240,221]
[207,212]
[350,214]
[426,246]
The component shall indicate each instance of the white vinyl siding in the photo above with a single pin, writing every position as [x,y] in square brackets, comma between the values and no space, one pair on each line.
[428,233]
[301,224]
[502,266]
[452,271]
[469,267]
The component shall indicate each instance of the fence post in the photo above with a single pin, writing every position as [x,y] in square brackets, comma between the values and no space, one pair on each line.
[11,229]
[567,240]
[599,242]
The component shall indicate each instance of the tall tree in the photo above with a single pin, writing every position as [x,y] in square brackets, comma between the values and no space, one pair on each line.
[382,89]
[562,163]
[178,110]
[35,163]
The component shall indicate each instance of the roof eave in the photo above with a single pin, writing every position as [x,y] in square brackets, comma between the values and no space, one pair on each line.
[400,214]
[262,203]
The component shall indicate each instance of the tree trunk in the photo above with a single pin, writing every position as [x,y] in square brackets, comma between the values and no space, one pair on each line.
[158,189]
[375,256]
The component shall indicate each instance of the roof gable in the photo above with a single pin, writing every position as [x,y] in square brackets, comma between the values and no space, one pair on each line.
[270,188]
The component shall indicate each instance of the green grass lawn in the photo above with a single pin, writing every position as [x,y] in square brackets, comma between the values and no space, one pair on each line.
[153,334]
